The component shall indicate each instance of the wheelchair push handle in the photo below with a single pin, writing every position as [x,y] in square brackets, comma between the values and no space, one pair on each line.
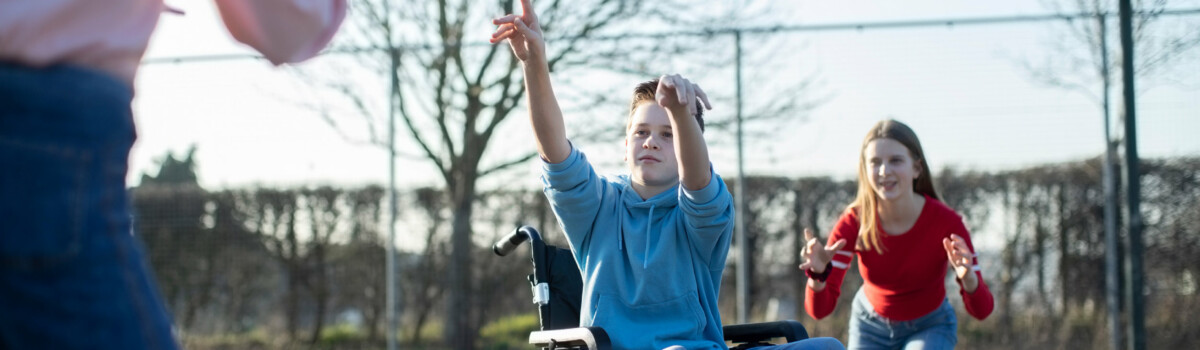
[511,241]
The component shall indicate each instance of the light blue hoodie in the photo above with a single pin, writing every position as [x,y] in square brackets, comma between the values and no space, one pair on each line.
[651,268]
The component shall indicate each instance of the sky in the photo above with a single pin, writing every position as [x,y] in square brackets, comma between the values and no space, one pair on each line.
[961,88]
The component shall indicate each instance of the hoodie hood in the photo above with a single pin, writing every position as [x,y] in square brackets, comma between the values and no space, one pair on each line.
[659,204]
[666,200]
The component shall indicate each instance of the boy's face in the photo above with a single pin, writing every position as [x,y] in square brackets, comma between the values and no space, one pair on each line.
[650,148]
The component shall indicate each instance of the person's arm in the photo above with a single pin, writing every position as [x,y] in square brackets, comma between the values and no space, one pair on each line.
[832,259]
[678,96]
[708,214]
[571,184]
[574,191]
[284,31]
[963,260]
[524,35]
[707,204]
[818,258]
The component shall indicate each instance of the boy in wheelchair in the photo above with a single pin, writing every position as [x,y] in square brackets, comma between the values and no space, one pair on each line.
[557,290]
[651,245]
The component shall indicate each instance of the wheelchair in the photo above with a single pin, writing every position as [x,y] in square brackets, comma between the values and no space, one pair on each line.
[558,287]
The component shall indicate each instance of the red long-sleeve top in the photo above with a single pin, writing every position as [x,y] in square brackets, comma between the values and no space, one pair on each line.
[908,280]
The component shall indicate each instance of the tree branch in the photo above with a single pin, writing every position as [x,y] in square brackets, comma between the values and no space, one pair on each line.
[508,164]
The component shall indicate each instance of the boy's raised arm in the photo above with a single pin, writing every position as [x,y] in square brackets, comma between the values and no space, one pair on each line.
[524,34]
[678,96]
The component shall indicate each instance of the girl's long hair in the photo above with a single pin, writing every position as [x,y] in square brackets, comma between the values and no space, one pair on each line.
[866,202]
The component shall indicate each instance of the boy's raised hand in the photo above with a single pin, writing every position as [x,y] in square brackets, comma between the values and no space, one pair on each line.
[523,32]
[675,91]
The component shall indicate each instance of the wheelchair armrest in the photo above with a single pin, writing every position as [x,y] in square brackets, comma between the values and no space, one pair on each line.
[591,337]
[750,332]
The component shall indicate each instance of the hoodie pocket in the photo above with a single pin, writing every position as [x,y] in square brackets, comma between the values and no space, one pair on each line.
[641,325]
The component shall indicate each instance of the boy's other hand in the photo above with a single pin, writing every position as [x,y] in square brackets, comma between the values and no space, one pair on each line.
[523,32]
[675,92]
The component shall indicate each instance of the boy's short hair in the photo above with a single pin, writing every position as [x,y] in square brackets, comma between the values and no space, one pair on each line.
[645,92]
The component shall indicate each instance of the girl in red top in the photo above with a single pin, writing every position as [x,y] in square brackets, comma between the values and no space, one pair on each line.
[904,238]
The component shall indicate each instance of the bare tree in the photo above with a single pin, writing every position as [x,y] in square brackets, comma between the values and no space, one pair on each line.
[271,214]
[422,286]
[171,207]
[1086,63]
[365,286]
[1080,63]
[249,277]
[326,213]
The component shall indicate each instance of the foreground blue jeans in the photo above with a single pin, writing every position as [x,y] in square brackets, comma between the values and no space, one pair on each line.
[819,343]
[823,343]
[868,330]
[72,276]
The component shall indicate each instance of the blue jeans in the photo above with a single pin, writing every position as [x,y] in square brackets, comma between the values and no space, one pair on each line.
[820,343]
[72,276]
[868,330]
[803,344]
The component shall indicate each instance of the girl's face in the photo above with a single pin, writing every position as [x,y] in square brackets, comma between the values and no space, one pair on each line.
[890,168]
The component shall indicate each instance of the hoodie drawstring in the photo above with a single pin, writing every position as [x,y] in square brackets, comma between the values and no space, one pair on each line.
[621,232]
[649,235]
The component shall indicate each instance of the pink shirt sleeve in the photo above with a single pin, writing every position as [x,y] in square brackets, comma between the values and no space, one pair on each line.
[284,31]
